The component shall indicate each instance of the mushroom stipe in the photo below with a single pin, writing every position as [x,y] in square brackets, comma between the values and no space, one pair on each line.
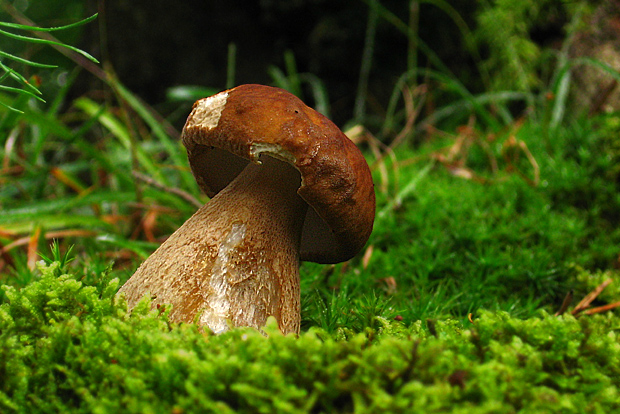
[285,185]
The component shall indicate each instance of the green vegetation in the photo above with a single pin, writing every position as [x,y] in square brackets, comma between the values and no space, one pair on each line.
[26,87]
[73,348]
[487,218]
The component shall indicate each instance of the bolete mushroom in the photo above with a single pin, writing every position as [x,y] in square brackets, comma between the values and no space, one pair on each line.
[286,185]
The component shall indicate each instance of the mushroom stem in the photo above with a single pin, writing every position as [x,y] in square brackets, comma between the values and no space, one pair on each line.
[236,258]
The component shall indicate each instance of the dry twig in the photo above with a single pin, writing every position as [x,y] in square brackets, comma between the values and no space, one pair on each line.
[183,194]
[589,298]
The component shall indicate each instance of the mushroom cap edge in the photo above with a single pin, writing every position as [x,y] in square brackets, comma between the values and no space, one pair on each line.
[226,131]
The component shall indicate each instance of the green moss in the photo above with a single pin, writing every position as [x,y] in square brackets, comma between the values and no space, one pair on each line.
[68,347]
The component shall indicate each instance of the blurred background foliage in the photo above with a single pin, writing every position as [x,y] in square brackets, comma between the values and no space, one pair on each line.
[488,46]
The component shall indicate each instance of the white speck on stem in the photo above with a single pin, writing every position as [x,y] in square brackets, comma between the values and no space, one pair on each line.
[220,282]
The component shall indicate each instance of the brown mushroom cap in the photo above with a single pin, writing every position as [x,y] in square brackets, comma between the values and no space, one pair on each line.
[226,131]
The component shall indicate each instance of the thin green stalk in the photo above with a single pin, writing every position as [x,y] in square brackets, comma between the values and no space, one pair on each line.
[173,147]
[19,78]
[231,65]
[414,20]
[49,29]
[293,74]
[319,92]
[564,77]
[48,43]
[405,192]
[359,110]
[26,61]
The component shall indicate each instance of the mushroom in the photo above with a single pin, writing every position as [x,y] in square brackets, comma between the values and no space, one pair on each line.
[285,185]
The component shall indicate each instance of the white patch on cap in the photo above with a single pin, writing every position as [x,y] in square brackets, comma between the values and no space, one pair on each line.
[207,112]
[274,150]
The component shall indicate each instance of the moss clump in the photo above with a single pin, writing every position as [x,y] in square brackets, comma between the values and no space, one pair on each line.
[67,347]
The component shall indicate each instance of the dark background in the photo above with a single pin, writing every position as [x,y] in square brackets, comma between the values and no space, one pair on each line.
[153,45]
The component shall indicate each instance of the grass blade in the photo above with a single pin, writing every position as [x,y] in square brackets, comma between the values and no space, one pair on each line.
[49,29]
[119,130]
[48,43]
[173,148]
[26,61]
[21,91]
[19,78]
[406,191]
